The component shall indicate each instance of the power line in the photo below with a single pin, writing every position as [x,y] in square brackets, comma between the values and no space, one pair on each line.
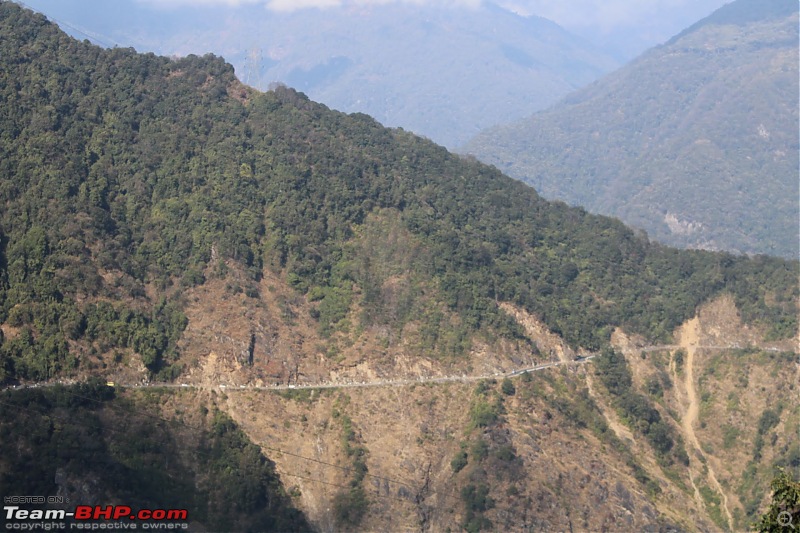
[411,500]
[197,452]
[196,428]
[346,469]
[96,40]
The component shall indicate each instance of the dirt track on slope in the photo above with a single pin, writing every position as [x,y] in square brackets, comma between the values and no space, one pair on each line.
[689,341]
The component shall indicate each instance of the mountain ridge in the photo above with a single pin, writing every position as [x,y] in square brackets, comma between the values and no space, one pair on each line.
[695,141]
[740,14]
[421,67]
[253,187]
[163,222]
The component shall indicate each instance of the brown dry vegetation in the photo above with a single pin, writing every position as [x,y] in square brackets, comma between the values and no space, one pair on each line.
[289,348]
[574,461]
[574,464]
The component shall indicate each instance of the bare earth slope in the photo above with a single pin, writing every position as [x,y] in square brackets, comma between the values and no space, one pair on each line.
[556,456]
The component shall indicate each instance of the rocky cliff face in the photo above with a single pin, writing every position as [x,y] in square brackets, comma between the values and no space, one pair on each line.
[363,305]
[550,451]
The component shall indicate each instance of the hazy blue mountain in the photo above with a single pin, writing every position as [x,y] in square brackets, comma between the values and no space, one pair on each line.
[696,141]
[441,72]
[625,29]
[163,222]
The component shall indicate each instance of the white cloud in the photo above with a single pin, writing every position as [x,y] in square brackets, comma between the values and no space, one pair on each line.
[608,15]
[293,5]
[602,15]
[179,3]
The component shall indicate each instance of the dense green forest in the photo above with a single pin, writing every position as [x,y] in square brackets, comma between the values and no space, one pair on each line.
[637,410]
[123,175]
[85,441]
[696,141]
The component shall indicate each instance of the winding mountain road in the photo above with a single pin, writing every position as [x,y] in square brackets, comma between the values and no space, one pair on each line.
[388,382]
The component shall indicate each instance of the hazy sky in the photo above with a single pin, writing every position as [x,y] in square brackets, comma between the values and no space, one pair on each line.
[602,15]
[610,14]
[293,5]
[622,28]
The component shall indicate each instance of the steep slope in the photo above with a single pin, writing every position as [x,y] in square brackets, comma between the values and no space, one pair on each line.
[90,444]
[689,339]
[695,142]
[128,178]
[442,71]
[732,396]
[358,300]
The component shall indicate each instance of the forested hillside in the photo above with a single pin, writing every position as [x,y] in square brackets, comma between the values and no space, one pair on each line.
[696,141]
[259,275]
[124,177]
[445,70]
[84,443]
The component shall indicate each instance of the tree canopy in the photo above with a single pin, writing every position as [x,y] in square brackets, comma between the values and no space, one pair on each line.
[123,173]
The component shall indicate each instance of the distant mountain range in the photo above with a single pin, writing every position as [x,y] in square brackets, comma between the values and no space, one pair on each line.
[266,307]
[696,141]
[441,72]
